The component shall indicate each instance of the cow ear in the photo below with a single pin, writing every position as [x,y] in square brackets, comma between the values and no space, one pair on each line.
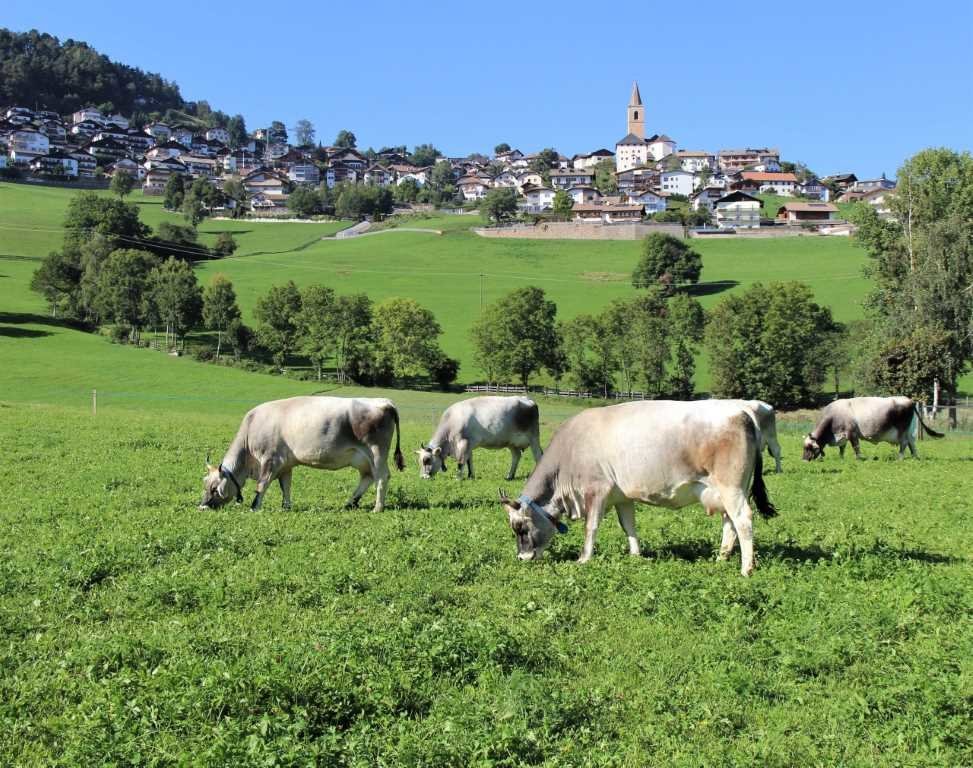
[437,451]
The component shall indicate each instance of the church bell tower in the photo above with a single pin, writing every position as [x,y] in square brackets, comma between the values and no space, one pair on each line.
[636,113]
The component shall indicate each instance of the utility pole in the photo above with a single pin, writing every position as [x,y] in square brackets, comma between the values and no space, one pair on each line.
[481,293]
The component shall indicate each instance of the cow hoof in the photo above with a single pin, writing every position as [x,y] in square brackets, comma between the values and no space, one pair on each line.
[747,572]
[722,557]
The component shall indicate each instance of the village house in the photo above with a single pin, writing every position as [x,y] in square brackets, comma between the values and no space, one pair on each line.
[55,163]
[589,161]
[805,212]
[87,165]
[182,135]
[376,175]
[705,198]
[738,210]
[651,201]
[107,150]
[695,161]
[608,214]
[85,129]
[630,152]
[813,188]
[677,182]
[868,185]
[218,134]
[537,199]
[783,184]
[304,172]
[199,166]
[660,146]
[505,179]
[472,187]
[640,177]
[25,145]
[169,148]
[529,179]
[842,182]
[159,131]
[88,113]
[584,194]
[565,178]
[155,181]
[266,182]
[733,160]
[879,200]
[125,165]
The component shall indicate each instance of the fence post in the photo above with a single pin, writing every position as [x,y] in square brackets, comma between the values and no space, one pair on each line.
[94,402]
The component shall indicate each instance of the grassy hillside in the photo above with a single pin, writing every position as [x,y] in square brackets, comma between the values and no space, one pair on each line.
[445,272]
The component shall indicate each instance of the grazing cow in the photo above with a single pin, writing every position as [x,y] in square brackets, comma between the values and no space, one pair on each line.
[482,422]
[875,419]
[319,432]
[667,454]
[766,418]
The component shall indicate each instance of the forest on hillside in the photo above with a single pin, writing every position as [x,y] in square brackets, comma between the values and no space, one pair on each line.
[37,70]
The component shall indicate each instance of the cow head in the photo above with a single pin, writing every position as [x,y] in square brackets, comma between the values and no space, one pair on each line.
[218,488]
[812,449]
[532,530]
[431,461]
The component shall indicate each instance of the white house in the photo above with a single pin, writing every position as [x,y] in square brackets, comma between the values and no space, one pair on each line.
[472,187]
[738,210]
[565,178]
[660,146]
[56,163]
[159,131]
[589,161]
[879,200]
[198,165]
[584,195]
[378,176]
[537,199]
[167,149]
[505,179]
[88,113]
[305,173]
[814,188]
[706,197]
[529,178]
[695,161]
[677,182]
[630,152]
[119,120]
[783,184]
[26,144]
[218,134]
[653,202]
[183,136]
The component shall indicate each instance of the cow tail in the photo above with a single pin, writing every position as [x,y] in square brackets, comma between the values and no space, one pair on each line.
[924,426]
[758,491]
[399,461]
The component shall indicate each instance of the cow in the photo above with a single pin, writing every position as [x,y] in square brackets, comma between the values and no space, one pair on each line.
[766,418]
[875,419]
[482,422]
[319,432]
[664,453]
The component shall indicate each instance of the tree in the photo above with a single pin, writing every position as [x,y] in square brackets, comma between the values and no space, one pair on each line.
[648,335]
[765,344]
[236,127]
[345,140]
[517,336]
[199,200]
[225,245]
[543,161]
[239,336]
[407,190]
[499,204]
[605,179]
[122,184]
[304,132]
[174,297]
[121,289]
[233,190]
[278,313]
[424,155]
[562,205]
[590,361]
[175,192]
[666,261]
[686,329]
[501,148]
[353,334]
[318,325]
[304,201]
[277,133]
[57,280]
[441,186]
[179,241]
[219,307]
[406,336]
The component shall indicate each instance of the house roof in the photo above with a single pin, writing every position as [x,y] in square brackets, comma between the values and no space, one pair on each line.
[764,176]
[739,196]
[804,207]
[660,137]
[628,140]
[691,153]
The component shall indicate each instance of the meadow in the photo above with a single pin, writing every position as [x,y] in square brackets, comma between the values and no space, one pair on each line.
[136,629]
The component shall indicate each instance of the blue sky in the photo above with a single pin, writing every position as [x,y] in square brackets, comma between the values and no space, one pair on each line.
[858,85]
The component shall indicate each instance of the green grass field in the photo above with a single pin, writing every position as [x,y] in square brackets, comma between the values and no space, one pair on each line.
[137,630]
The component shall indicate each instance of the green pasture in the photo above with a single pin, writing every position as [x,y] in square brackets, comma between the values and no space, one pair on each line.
[138,630]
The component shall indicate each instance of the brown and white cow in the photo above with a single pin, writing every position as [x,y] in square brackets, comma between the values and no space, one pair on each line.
[875,419]
[482,422]
[319,432]
[664,453]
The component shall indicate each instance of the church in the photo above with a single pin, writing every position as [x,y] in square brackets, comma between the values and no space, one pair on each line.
[634,150]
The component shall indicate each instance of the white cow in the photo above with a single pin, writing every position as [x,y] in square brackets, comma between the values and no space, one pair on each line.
[482,422]
[766,418]
[319,432]
[663,453]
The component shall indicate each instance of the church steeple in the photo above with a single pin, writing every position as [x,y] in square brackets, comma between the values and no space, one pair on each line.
[636,113]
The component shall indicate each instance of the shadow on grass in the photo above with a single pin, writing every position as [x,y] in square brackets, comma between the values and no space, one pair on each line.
[29,318]
[17,257]
[13,332]
[710,289]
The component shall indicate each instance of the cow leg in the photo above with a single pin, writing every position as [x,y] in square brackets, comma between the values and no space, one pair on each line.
[729,538]
[593,512]
[285,487]
[735,503]
[853,439]
[469,463]
[626,518]
[381,473]
[365,471]
[265,478]
[535,448]
[911,442]
[773,448]
[514,461]
[463,457]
